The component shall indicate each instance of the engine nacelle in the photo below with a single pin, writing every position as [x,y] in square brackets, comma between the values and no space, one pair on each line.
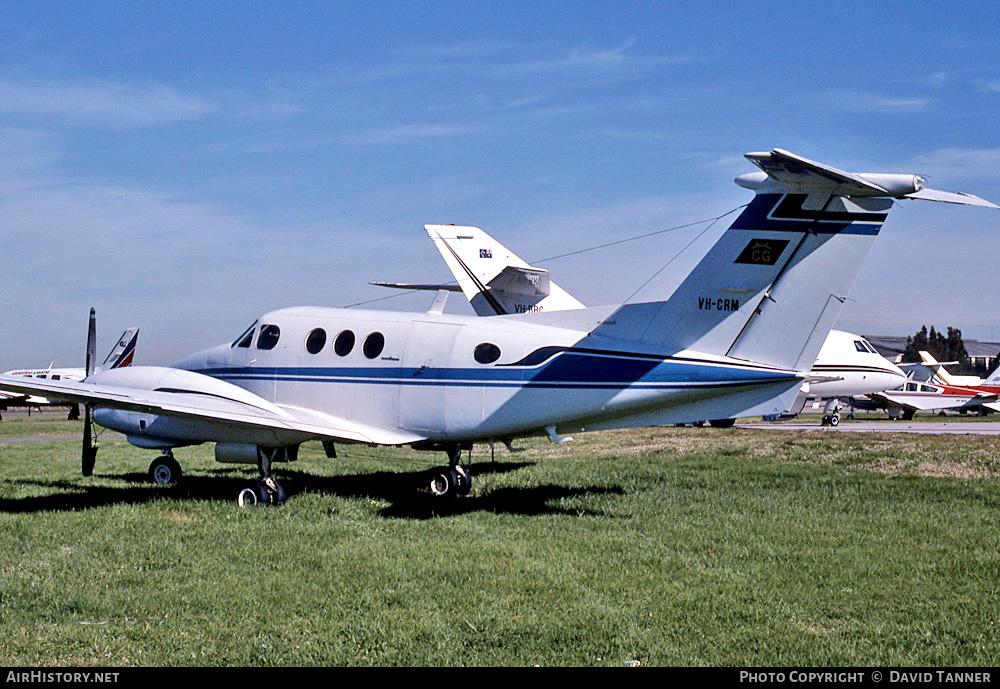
[247,453]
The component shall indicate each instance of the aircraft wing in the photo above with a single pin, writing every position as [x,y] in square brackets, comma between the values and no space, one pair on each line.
[195,397]
[11,398]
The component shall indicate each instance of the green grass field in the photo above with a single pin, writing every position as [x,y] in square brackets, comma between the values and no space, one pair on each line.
[670,546]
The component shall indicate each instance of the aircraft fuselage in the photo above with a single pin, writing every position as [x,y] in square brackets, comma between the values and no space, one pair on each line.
[448,377]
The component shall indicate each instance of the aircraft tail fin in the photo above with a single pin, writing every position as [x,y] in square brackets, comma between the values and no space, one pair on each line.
[124,350]
[938,368]
[494,279]
[993,378]
[771,288]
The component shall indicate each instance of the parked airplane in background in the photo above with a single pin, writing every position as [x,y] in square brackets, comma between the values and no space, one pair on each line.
[852,367]
[736,338]
[943,392]
[846,365]
[121,355]
[941,374]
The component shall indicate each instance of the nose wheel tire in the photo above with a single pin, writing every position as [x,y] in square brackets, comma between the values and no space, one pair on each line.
[450,481]
[266,491]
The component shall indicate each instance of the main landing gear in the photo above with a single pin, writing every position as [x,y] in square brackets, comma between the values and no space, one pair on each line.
[452,480]
[165,469]
[266,490]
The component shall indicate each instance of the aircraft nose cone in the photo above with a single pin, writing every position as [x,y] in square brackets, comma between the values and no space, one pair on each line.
[894,378]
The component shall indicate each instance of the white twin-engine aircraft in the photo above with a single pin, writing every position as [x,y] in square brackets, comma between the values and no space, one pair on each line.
[737,338]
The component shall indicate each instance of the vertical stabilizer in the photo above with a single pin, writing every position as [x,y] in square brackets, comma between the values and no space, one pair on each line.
[993,378]
[123,351]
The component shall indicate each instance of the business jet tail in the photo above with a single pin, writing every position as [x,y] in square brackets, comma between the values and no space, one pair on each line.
[772,286]
[494,279]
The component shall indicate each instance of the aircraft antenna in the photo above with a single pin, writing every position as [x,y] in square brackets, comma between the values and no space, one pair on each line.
[712,222]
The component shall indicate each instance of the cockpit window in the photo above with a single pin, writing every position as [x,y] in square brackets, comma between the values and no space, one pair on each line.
[860,346]
[245,338]
[268,337]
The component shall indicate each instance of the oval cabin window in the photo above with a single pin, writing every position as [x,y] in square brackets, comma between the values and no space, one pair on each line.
[344,343]
[374,344]
[315,341]
[487,353]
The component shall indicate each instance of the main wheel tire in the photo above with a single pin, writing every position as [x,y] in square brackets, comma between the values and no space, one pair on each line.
[835,420]
[463,485]
[164,470]
[274,491]
[248,497]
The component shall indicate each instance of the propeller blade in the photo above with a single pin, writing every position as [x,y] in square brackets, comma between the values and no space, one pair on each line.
[89,452]
[91,342]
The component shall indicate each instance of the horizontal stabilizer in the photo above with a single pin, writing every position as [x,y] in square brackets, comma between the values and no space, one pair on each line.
[786,172]
[526,282]
[425,287]
[790,170]
[951,197]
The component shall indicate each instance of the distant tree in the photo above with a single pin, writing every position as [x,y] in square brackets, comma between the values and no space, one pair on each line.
[942,347]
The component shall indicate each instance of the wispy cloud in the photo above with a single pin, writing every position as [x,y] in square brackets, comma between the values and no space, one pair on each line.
[868,102]
[412,131]
[960,163]
[101,103]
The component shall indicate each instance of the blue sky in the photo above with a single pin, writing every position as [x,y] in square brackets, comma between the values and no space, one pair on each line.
[184,167]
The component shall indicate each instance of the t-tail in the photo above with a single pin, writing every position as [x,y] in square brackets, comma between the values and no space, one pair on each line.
[493,278]
[772,287]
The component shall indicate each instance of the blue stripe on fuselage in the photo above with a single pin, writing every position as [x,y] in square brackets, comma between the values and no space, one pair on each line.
[568,369]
